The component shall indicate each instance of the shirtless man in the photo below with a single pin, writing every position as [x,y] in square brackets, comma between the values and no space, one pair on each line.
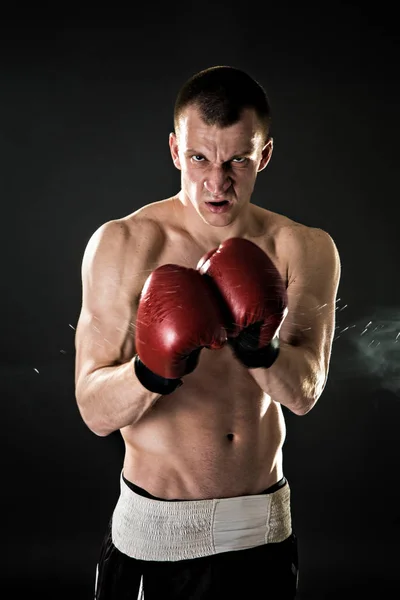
[193,362]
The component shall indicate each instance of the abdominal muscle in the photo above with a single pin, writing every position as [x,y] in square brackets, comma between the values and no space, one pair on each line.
[217,436]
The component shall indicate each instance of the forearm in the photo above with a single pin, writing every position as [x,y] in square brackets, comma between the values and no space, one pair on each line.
[294,380]
[111,398]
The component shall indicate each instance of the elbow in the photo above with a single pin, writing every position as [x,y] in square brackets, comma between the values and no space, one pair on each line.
[99,429]
[91,420]
[302,406]
[101,432]
[94,424]
[310,394]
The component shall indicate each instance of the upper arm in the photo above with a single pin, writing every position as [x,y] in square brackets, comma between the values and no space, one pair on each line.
[113,272]
[313,279]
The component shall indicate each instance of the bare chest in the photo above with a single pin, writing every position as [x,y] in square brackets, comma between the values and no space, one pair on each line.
[182,250]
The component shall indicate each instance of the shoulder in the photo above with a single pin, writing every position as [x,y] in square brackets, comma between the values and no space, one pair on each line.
[311,251]
[293,235]
[122,250]
[300,246]
[289,234]
[139,232]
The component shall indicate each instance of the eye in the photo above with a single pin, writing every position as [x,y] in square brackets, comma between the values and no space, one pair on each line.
[197,158]
[239,160]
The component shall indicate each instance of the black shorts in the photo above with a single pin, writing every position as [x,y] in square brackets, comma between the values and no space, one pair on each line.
[268,571]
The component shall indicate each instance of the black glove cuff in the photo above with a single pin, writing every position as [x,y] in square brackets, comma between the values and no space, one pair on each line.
[255,359]
[153,382]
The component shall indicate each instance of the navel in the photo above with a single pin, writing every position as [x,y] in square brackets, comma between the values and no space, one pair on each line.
[230,437]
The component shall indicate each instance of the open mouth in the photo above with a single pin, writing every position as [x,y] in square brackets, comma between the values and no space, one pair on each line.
[219,207]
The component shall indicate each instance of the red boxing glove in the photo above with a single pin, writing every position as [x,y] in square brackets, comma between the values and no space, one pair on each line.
[177,317]
[255,296]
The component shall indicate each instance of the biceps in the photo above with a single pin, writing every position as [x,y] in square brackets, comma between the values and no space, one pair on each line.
[104,339]
[310,320]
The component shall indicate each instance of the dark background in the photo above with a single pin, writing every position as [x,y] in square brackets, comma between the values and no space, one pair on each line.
[85,112]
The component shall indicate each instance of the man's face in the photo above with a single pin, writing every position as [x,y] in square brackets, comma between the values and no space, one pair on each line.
[219,166]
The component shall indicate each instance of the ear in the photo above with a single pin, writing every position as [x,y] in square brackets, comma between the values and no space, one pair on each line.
[173,146]
[266,154]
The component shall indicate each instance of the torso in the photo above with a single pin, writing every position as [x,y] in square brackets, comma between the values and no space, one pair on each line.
[218,435]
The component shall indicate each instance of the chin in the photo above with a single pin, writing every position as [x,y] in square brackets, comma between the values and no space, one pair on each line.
[217,220]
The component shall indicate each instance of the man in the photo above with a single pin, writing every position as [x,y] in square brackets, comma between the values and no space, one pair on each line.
[202,315]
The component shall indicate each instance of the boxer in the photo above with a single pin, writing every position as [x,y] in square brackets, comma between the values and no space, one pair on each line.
[203,315]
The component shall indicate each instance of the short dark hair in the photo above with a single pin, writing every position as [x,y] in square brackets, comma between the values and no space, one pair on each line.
[221,94]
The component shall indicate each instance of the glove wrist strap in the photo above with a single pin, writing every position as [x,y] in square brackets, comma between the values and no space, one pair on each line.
[255,359]
[153,382]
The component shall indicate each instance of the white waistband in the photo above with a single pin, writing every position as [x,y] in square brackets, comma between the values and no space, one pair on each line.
[159,530]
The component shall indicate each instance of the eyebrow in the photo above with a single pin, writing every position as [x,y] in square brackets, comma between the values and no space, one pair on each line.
[245,152]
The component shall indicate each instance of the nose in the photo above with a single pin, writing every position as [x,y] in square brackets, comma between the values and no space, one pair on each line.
[217,181]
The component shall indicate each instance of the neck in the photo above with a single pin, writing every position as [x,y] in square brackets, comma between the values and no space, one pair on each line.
[246,224]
